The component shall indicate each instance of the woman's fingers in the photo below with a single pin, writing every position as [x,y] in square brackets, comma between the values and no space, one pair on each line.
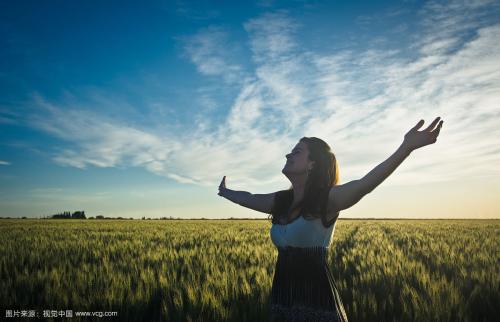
[222,185]
[432,125]
[438,128]
[418,125]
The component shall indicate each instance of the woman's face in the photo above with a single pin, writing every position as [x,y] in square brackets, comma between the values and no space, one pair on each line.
[298,160]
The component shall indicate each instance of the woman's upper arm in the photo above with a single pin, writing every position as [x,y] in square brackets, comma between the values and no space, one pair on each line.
[345,195]
[262,202]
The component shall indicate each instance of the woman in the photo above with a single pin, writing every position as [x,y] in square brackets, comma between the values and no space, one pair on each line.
[304,218]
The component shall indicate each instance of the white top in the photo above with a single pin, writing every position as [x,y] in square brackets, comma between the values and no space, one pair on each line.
[302,233]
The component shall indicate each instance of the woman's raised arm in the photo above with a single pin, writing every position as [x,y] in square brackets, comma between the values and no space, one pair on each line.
[258,202]
[413,140]
[347,195]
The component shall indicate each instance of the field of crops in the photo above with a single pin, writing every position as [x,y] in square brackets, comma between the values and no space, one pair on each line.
[215,270]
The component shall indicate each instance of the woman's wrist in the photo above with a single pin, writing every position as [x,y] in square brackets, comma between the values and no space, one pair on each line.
[406,148]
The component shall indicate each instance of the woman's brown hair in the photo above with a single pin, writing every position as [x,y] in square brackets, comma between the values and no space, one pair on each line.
[323,176]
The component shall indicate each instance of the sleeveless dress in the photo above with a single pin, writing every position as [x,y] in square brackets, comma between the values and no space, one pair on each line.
[303,287]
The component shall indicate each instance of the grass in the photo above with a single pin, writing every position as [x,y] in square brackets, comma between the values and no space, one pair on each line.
[213,270]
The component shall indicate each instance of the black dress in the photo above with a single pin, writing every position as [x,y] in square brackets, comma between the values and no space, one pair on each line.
[303,287]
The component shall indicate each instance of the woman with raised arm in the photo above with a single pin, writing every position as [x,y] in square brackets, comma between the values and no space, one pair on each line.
[304,218]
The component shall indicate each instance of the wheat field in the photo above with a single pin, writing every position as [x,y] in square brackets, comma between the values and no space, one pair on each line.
[222,270]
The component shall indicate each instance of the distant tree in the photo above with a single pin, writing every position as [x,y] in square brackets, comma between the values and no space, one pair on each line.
[78,215]
[63,215]
[99,217]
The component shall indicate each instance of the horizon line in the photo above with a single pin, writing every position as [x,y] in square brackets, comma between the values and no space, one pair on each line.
[233,218]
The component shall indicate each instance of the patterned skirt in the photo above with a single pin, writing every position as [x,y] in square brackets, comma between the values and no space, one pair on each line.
[303,287]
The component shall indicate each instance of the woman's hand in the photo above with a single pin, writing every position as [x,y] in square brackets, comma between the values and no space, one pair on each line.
[416,139]
[222,187]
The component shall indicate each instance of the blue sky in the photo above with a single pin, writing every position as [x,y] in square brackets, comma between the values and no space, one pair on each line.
[138,109]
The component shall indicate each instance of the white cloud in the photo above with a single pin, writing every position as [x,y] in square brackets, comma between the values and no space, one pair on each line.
[211,52]
[2,162]
[100,142]
[361,103]
[445,21]
[271,36]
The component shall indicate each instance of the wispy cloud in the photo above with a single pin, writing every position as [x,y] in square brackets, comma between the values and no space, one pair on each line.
[271,36]
[2,162]
[444,22]
[361,103]
[100,142]
[212,53]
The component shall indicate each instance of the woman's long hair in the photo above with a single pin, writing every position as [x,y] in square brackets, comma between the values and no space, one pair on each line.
[324,175]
